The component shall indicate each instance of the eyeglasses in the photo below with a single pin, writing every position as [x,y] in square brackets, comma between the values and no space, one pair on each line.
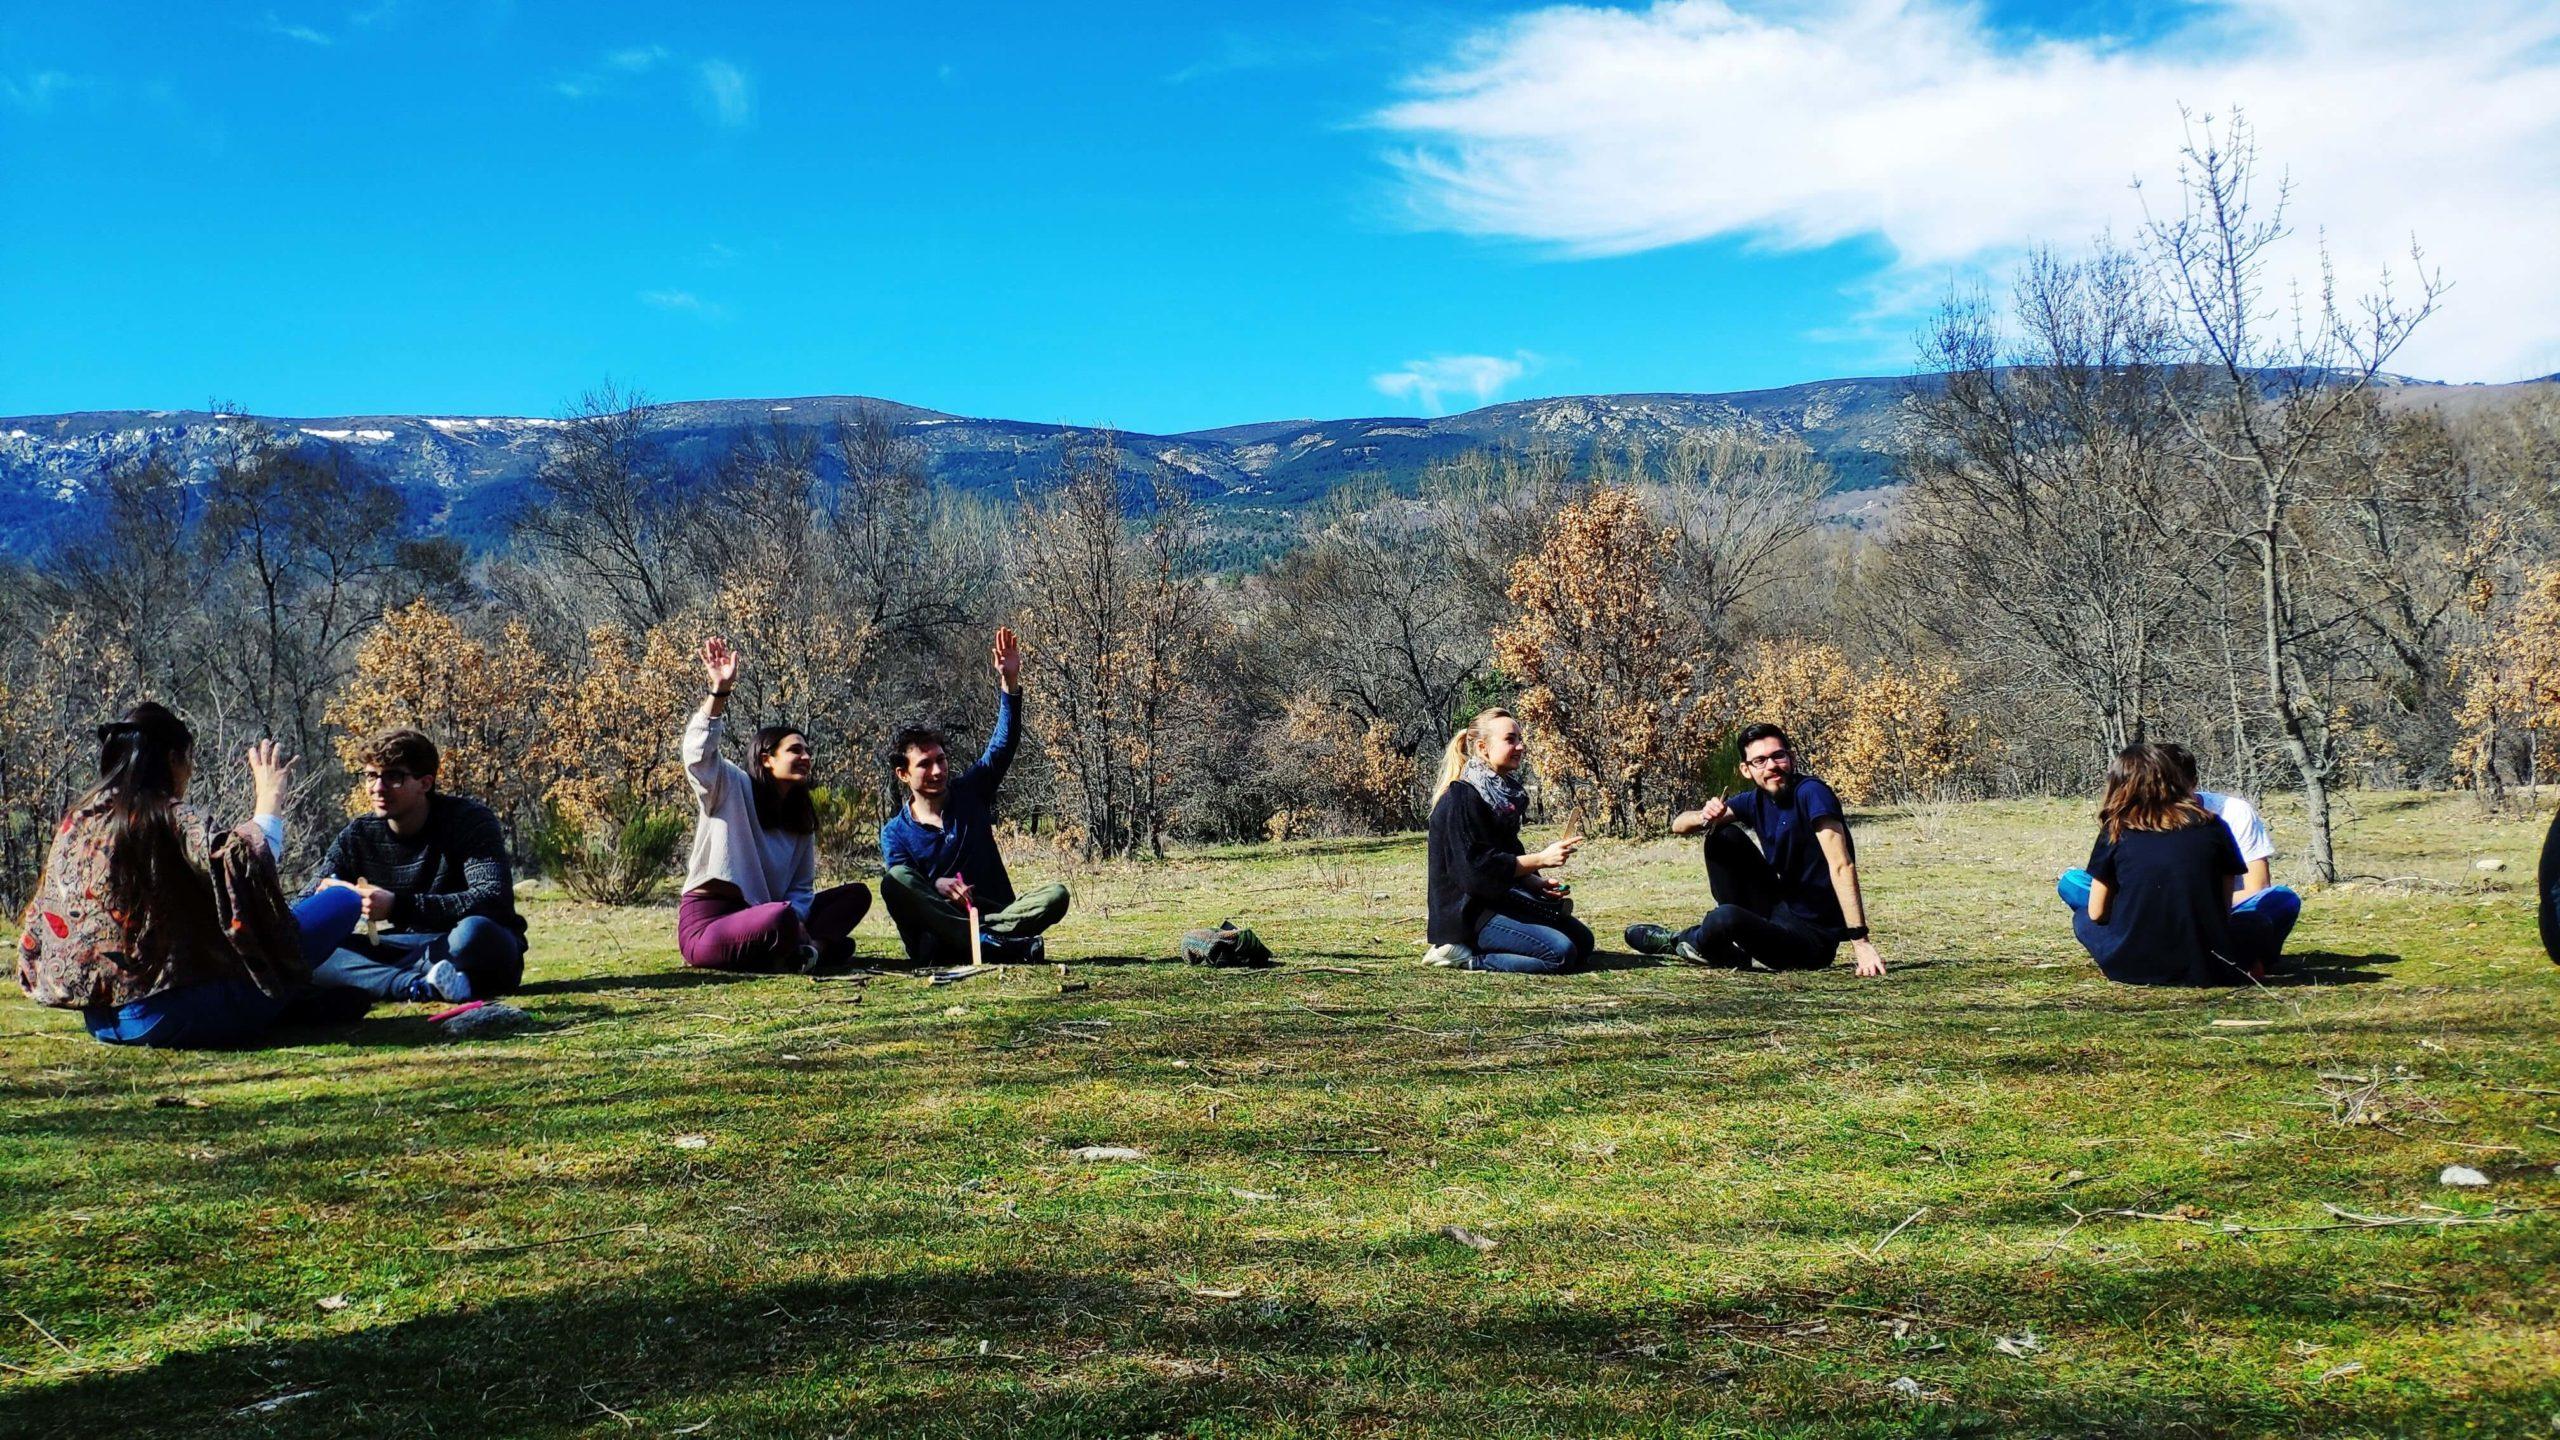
[1769,759]
[388,779]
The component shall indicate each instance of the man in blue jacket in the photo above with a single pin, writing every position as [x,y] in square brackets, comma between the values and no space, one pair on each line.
[939,851]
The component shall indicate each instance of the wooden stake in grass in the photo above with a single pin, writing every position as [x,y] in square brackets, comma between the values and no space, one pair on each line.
[975,941]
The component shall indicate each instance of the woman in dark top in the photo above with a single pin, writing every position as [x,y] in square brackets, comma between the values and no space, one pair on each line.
[1491,908]
[2154,905]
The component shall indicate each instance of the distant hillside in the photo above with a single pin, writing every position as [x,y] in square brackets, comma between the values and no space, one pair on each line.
[466,475]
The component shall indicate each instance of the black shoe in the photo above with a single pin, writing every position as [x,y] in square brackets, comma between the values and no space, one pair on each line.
[1652,939]
[1013,949]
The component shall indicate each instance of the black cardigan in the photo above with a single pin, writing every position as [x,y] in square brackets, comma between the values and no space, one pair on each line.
[1474,862]
[2549,884]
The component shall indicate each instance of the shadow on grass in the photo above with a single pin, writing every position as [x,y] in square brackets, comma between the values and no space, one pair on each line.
[1036,1351]
[670,979]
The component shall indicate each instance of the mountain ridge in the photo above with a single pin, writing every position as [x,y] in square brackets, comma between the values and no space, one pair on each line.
[467,474]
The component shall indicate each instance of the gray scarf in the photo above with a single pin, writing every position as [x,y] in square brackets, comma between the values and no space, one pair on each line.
[1508,797]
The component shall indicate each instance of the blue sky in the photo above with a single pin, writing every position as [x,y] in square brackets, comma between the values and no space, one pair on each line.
[1152,216]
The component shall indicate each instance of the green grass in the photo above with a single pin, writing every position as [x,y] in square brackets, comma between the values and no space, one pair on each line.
[1694,1178]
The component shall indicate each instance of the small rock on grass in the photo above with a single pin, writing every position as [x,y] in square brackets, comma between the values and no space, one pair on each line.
[1469,1238]
[2462,1175]
[691,1142]
[1096,1154]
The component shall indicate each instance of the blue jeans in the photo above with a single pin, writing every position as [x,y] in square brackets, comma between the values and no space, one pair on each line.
[227,1014]
[1541,946]
[490,953]
[2259,925]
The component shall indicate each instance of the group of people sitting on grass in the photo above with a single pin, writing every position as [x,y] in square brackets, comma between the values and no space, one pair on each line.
[165,932]
[751,900]
[2176,891]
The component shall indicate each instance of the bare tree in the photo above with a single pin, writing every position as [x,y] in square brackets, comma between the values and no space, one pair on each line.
[1737,505]
[2285,396]
[606,513]
[2046,524]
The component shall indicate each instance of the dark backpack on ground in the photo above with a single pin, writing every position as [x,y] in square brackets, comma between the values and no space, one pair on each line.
[1224,944]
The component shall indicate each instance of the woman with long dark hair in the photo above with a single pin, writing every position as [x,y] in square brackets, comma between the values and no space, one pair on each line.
[751,897]
[2153,906]
[163,932]
[1491,905]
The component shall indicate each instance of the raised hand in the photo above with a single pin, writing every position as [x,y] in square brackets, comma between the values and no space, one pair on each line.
[270,776]
[719,663]
[1008,659]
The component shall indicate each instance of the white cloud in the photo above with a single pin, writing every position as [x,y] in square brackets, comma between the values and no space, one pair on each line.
[36,93]
[722,92]
[728,96]
[637,59]
[1426,381]
[294,30]
[1608,131]
[683,302]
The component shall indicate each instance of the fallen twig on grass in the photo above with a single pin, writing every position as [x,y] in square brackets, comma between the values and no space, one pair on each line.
[49,1335]
[1878,1252]
[2348,1220]
[474,1250]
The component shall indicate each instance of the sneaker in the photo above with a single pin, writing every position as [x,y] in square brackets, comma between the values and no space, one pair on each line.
[445,981]
[1690,953]
[1033,950]
[805,959]
[1653,939]
[1453,957]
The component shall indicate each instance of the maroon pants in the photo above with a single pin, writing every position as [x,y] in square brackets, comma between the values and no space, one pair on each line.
[716,927]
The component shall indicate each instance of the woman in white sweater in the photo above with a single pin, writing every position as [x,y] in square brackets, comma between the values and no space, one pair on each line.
[751,897]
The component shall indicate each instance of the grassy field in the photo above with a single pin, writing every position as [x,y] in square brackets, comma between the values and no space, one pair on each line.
[1989,1194]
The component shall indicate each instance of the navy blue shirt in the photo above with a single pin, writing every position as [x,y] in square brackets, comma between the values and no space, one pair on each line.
[1785,824]
[964,844]
[2168,905]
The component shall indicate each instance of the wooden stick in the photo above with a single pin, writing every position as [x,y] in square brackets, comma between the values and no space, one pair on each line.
[974,942]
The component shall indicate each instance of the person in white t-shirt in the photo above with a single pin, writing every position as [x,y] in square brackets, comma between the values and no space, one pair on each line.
[2262,912]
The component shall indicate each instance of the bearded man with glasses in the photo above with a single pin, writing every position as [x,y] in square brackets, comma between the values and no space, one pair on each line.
[1782,868]
[432,869]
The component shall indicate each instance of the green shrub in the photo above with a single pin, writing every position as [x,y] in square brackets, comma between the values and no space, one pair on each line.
[848,829]
[628,858]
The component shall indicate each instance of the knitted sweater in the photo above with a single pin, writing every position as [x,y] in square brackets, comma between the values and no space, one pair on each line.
[728,844]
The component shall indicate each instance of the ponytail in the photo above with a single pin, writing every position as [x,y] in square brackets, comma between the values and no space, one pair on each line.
[1454,756]
[152,883]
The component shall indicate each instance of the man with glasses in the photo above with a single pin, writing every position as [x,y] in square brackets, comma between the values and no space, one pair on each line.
[1782,868]
[432,869]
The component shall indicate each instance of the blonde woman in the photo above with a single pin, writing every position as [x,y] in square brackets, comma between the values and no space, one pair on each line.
[1492,906]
